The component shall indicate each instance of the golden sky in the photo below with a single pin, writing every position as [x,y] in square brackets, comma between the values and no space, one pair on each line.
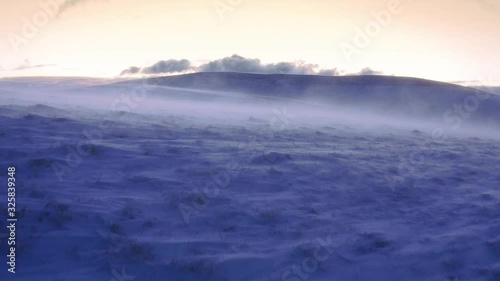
[447,40]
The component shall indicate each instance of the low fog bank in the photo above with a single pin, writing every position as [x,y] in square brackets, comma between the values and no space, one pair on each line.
[360,100]
[411,97]
[281,102]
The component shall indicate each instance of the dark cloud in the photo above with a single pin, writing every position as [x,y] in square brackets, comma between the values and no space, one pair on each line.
[290,68]
[168,66]
[131,70]
[161,67]
[236,63]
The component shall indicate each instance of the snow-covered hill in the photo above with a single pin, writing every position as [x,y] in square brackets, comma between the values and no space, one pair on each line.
[251,177]
[384,95]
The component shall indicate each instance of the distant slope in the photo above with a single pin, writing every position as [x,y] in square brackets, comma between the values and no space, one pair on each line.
[494,90]
[388,94]
[286,84]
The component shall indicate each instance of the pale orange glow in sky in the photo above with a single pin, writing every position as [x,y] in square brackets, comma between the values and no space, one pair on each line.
[447,40]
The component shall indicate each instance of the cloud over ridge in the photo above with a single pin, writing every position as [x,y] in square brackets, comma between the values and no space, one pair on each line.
[237,63]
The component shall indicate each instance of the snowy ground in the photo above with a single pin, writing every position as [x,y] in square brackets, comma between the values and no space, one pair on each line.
[180,195]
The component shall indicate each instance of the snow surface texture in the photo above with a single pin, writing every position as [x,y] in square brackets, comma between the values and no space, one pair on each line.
[149,181]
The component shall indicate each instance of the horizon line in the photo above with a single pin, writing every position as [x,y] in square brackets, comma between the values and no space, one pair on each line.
[469,84]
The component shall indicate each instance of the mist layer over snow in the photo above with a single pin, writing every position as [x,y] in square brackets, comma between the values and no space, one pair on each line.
[252,177]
